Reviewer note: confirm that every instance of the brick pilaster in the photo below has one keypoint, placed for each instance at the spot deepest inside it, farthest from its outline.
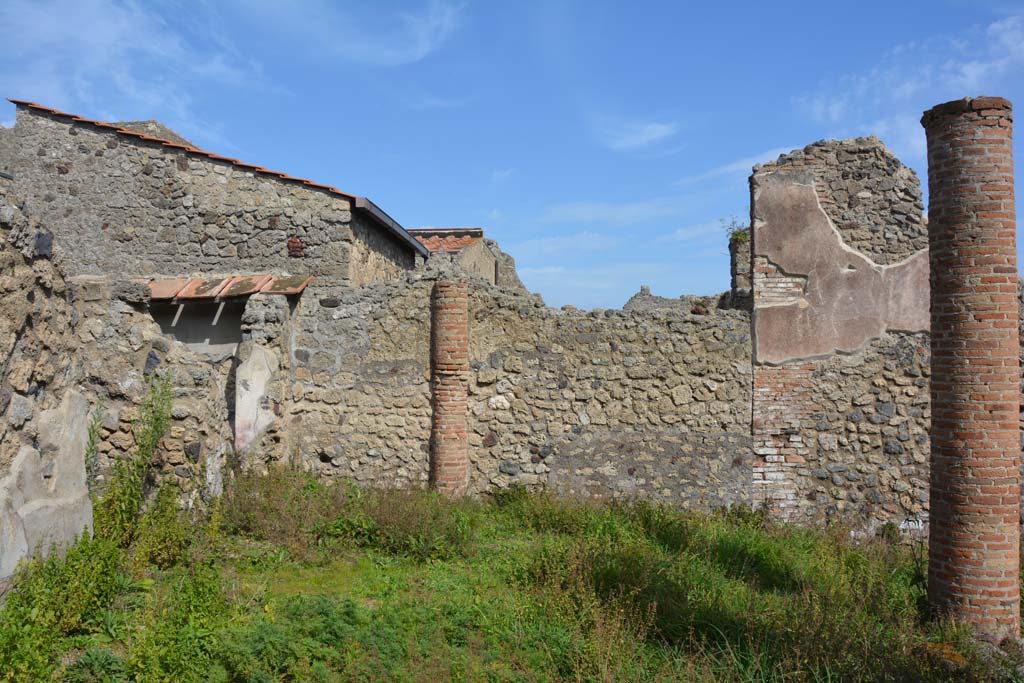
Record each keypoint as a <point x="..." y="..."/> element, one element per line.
<point x="975" y="385"/>
<point x="449" y="361"/>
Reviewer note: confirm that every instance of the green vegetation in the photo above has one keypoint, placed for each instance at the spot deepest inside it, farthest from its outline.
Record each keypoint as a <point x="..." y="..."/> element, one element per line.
<point x="735" y="231"/>
<point x="286" y="579"/>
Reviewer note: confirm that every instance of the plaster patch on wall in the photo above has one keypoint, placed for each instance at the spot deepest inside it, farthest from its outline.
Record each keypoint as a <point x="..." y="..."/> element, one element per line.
<point x="848" y="299"/>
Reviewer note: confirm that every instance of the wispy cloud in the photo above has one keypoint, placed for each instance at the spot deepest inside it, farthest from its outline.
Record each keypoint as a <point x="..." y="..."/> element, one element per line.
<point x="115" y="60"/>
<point x="738" y="167"/>
<point x="500" y="175"/>
<point x="599" y="285"/>
<point x="585" y="241"/>
<point x="699" y="233"/>
<point x="433" y="102"/>
<point x="630" y="135"/>
<point x="360" y="33"/>
<point x="888" y="97"/>
<point x="613" y="213"/>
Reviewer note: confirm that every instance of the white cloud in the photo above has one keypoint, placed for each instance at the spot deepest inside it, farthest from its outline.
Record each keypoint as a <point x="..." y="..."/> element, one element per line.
<point x="702" y="232"/>
<point x="738" y="167"/>
<point x="604" y="285"/>
<point x="354" y="32"/>
<point x="432" y="102"/>
<point x="559" y="244"/>
<point x="1002" y="51"/>
<point x="914" y="76"/>
<point x="628" y="136"/>
<point x="613" y="213"/>
<point x="114" y="60"/>
<point x="500" y="175"/>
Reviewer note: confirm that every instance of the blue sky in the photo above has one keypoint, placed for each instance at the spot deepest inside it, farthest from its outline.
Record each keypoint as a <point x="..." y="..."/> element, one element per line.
<point x="600" y="142"/>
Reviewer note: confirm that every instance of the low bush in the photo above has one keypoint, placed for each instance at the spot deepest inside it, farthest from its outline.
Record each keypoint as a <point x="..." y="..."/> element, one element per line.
<point x="163" y="534"/>
<point x="67" y="593"/>
<point x="284" y="506"/>
<point x="414" y="523"/>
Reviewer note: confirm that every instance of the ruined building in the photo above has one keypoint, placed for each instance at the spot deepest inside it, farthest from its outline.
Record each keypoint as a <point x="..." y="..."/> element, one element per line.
<point x="296" y="323"/>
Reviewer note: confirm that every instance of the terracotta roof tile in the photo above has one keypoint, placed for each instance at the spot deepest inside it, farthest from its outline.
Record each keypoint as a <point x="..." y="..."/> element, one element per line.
<point x="166" y="289"/>
<point x="243" y="285"/>
<point x="203" y="288"/>
<point x="447" y="239"/>
<point x="221" y="287"/>
<point x="290" y="284"/>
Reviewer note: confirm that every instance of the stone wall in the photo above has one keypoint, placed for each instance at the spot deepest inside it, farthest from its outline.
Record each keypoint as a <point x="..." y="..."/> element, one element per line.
<point x="375" y="255"/>
<point x="120" y="204"/>
<point x="872" y="199"/>
<point x="840" y="320"/>
<point x="75" y="350"/>
<point x="616" y="403"/>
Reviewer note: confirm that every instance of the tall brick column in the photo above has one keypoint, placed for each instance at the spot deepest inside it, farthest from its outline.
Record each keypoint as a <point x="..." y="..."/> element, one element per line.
<point x="449" y="385"/>
<point x="975" y="386"/>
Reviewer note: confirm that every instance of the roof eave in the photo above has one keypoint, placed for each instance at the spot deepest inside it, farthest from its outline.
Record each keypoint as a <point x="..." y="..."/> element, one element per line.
<point x="366" y="206"/>
<point x="361" y="203"/>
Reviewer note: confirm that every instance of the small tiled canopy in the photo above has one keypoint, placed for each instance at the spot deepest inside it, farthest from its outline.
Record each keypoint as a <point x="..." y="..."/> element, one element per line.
<point x="226" y="287"/>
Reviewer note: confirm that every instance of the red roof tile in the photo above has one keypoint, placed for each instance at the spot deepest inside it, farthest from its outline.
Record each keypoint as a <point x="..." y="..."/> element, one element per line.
<point x="203" y="288"/>
<point x="290" y="284"/>
<point x="220" y="287"/>
<point x="244" y="285"/>
<point x="166" y="289"/>
<point x="447" y="239"/>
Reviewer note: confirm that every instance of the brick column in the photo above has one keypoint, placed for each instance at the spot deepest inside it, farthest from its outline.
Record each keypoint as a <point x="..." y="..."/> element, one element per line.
<point x="449" y="384"/>
<point x="975" y="385"/>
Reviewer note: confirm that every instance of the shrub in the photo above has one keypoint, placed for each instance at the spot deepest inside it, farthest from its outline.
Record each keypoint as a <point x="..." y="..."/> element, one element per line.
<point x="414" y="523"/>
<point x="178" y="630"/>
<point x="545" y="511"/>
<point x="96" y="665"/>
<point x="117" y="512"/>
<point x="60" y="595"/>
<point x="52" y="598"/>
<point x="305" y="633"/>
<point x="163" y="536"/>
<point x="285" y="506"/>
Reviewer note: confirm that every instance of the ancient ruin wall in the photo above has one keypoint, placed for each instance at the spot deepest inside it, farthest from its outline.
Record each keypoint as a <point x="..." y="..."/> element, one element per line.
<point x="120" y="205"/>
<point x="75" y="350"/>
<point x="616" y="403"/>
<point x="841" y="409"/>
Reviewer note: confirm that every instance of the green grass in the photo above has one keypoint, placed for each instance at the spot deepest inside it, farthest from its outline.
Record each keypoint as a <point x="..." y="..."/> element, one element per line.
<point x="350" y="585"/>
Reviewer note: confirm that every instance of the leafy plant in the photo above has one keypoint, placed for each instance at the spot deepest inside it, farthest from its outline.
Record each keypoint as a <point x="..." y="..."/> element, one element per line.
<point x="116" y="514"/>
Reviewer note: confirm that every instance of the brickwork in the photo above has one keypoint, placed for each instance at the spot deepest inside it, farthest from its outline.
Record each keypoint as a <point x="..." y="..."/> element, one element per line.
<point x="840" y="381"/>
<point x="449" y="363"/>
<point x="975" y="390"/>
<point x="775" y="287"/>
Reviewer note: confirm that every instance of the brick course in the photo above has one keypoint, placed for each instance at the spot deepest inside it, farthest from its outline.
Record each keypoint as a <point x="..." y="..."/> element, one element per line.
<point x="449" y="361"/>
<point x="975" y="389"/>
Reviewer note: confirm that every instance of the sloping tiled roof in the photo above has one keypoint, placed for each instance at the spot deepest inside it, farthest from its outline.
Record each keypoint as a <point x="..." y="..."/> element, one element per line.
<point x="360" y="203"/>
<point x="225" y="287"/>
<point x="447" y="239"/>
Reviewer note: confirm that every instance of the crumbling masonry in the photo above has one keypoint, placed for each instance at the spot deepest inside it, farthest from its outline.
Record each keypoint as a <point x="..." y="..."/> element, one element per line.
<point x="300" y="324"/>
